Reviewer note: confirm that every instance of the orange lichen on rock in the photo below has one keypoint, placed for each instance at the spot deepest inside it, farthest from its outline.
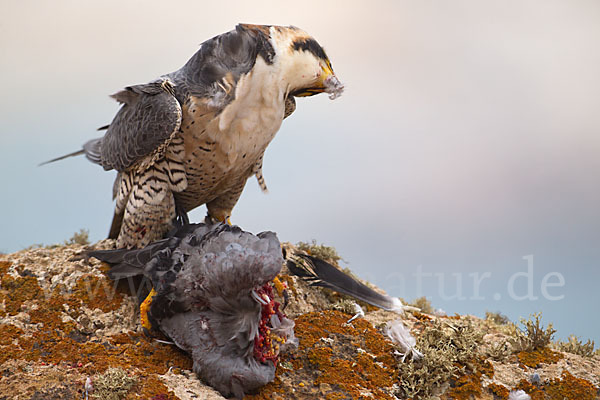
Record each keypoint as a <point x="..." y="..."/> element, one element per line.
<point x="4" y="265"/>
<point x="56" y="338"/>
<point x="150" y="388"/>
<point x="421" y="317"/>
<point x="565" y="387"/>
<point x="534" y="358"/>
<point x="8" y="333"/>
<point x="570" y="387"/>
<point x="149" y="355"/>
<point x="499" y="391"/>
<point x="470" y="384"/>
<point x="534" y="391"/>
<point x="97" y="292"/>
<point x="368" y="367"/>
<point x="289" y="281"/>
<point x="336" y="360"/>
<point x="485" y="367"/>
<point x="125" y="351"/>
<point x="16" y="291"/>
<point x="465" y="387"/>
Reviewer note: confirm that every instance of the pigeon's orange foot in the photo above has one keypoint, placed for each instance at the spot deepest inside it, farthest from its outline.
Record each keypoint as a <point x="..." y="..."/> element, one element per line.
<point x="144" y="308"/>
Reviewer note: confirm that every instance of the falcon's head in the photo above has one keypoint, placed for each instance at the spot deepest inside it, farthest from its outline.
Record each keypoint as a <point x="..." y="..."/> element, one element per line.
<point x="308" y="68"/>
<point x="305" y="67"/>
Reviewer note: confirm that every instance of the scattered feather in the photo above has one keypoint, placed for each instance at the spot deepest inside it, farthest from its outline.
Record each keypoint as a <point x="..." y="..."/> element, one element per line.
<point x="518" y="395"/>
<point x="398" y="333"/>
<point x="359" y="313"/>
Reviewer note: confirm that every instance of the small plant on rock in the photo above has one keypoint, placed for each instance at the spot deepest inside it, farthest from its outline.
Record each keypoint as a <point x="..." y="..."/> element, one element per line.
<point x="575" y="346"/>
<point x="533" y="336"/>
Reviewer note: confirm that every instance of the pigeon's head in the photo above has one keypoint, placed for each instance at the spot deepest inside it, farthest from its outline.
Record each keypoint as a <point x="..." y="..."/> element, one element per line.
<point x="305" y="65"/>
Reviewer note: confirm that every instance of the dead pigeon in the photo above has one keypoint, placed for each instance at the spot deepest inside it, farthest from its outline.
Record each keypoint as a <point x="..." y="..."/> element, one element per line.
<point x="212" y="295"/>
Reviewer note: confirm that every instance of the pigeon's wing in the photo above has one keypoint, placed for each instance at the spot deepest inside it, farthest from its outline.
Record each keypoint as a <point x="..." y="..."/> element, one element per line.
<point x="146" y="123"/>
<point x="320" y="273"/>
<point x="146" y="261"/>
<point x="132" y="262"/>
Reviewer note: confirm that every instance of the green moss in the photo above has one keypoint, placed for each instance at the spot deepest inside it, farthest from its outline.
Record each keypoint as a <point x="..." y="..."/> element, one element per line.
<point x="114" y="384"/>
<point x="533" y="336"/>
<point x="326" y="253"/>
<point x="499" y="351"/>
<point x="423" y="304"/>
<point x="450" y="356"/>
<point x="346" y="306"/>
<point x="497" y="318"/>
<point x="81" y="238"/>
<point x="575" y="346"/>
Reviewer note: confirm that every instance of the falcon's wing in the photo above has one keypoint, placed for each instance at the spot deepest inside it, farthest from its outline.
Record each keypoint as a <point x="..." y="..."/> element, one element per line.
<point x="148" y="120"/>
<point x="213" y="72"/>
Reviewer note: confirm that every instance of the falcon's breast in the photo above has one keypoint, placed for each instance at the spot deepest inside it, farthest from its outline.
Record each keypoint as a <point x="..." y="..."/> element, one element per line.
<point x="223" y="147"/>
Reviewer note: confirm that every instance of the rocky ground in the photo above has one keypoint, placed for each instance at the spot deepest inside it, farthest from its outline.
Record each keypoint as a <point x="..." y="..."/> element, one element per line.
<point x="62" y="322"/>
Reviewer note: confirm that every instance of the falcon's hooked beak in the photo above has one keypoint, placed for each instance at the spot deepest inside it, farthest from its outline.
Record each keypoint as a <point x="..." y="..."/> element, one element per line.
<point x="326" y="83"/>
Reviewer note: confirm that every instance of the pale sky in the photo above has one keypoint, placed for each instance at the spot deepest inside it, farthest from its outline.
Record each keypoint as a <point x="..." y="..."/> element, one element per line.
<point x="467" y="139"/>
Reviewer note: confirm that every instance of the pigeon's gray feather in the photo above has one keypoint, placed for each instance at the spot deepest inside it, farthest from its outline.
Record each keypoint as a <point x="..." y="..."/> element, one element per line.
<point x="318" y="272"/>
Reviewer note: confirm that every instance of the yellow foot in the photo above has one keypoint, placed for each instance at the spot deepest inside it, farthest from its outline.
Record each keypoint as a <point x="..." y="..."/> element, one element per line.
<point x="279" y="286"/>
<point x="144" y="308"/>
<point x="213" y="219"/>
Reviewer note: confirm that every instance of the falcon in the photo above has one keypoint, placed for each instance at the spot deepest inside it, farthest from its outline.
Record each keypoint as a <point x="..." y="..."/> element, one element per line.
<point x="196" y="135"/>
<point x="213" y="296"/>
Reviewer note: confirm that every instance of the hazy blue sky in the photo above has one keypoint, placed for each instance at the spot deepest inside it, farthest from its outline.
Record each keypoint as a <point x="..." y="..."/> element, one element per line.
<point x="467" y="139"/>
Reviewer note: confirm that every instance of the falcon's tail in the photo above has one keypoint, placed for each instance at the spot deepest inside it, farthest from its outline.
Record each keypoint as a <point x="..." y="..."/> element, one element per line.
<point x="115" y="226"/>
<point x="320" y="273"/>
<point x="91" y="149"/>
<point x="73" y="154"/>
